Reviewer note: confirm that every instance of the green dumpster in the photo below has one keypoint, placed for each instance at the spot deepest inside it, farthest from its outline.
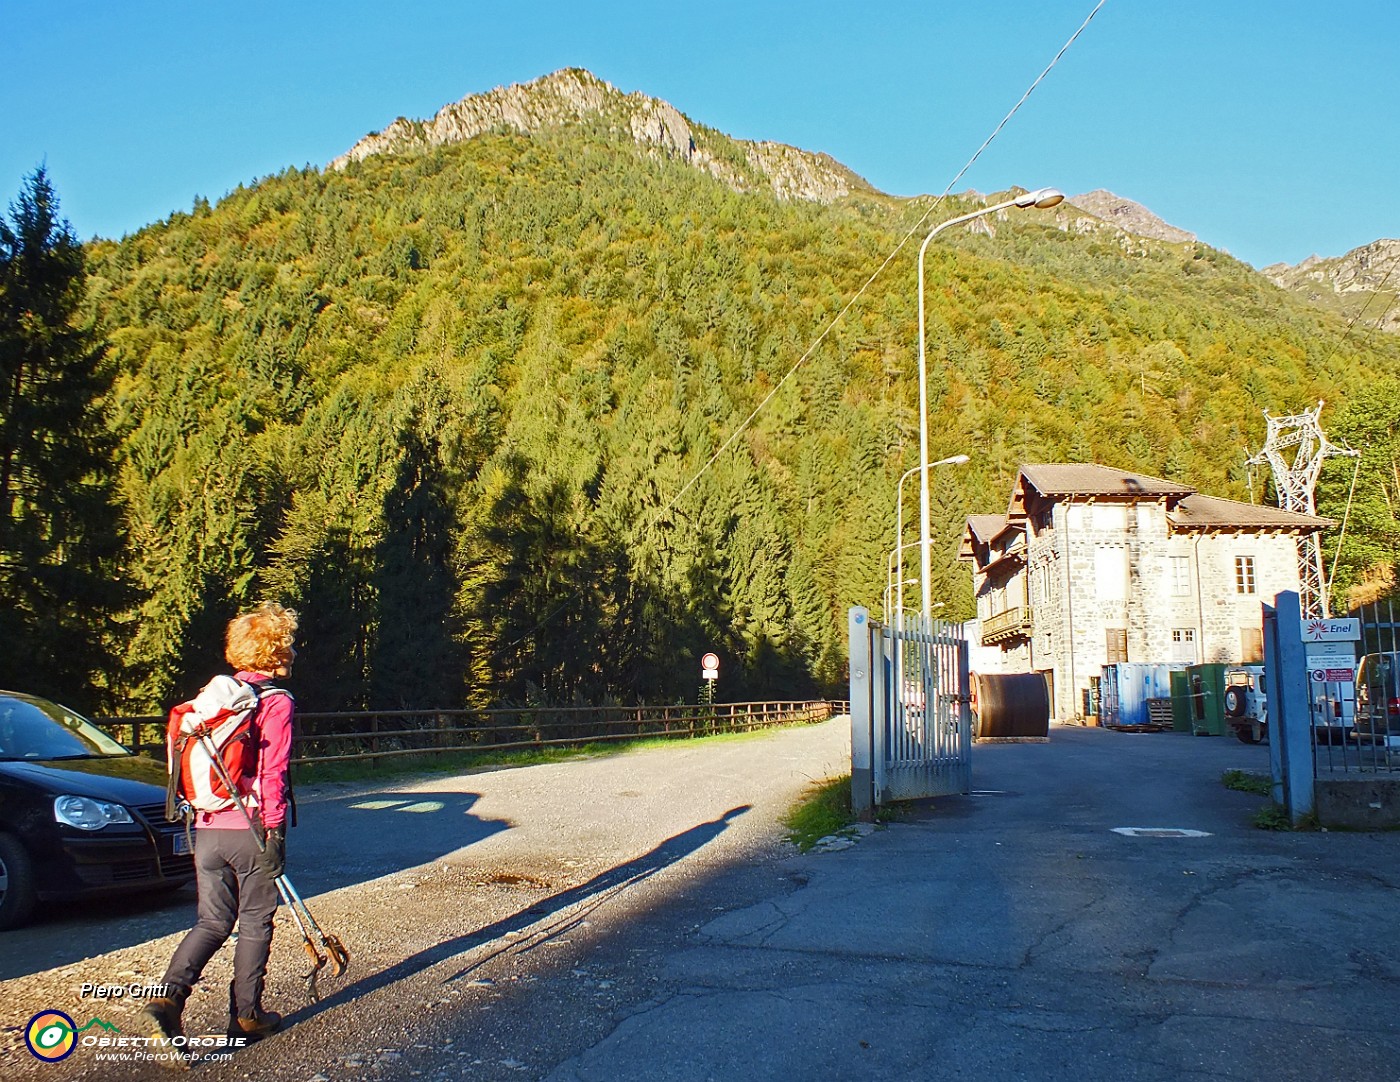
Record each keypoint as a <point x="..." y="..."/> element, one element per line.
<point x="1206" y="690"/>
<point x="1181" y="702"/>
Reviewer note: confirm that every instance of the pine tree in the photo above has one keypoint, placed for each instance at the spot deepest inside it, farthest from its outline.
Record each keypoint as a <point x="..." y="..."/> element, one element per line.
<point x="59" y="534"/>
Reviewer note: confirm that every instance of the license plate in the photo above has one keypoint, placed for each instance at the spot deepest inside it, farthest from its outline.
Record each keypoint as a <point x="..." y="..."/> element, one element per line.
<point x="182" y="845"/>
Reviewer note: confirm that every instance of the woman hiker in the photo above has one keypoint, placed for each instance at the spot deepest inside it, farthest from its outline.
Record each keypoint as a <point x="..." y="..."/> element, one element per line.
<point x="234" y="875"/>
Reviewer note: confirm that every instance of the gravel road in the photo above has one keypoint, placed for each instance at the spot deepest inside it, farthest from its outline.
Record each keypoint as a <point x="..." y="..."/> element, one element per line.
<point x="498" y="921"/>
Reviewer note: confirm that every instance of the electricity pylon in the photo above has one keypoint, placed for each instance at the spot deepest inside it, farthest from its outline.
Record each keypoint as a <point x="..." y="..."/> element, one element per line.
<point x="1294" y="483"/>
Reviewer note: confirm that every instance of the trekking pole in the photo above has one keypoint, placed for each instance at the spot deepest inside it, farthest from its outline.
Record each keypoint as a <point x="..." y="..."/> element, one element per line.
<point x="318" y="960"/>
<point x="340" y="958"/>
<point x="288" y="892"/>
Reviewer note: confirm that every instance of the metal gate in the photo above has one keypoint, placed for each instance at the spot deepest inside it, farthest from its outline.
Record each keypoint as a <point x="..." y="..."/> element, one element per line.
<point x="911" y="721"/>
<point x="1356" y="697"/>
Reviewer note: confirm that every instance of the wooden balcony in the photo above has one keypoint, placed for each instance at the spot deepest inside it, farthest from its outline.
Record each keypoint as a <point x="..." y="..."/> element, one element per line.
<point x="1011" y="624"/>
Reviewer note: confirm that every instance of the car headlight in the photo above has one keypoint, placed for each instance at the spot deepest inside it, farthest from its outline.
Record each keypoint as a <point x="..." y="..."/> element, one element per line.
<point x="88" y="814"/>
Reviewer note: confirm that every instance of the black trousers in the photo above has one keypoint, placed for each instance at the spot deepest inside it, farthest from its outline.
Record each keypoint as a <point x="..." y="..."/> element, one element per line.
<point x="233" y="888"/>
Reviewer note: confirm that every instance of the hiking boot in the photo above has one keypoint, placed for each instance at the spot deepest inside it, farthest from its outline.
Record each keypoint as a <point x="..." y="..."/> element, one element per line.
<point x="261" y="1024"/>
<point x="162" y="1017"/>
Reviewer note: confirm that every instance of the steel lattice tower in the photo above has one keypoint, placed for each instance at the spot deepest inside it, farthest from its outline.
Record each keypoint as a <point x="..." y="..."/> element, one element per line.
<point x="1294" y="483"/>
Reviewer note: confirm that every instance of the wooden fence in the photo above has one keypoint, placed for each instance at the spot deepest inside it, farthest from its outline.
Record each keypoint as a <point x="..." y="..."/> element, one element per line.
<point x="377" y="735"/>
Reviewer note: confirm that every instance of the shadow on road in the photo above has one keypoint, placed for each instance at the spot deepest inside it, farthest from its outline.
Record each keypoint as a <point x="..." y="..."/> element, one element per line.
<point x="357" y="838"/>
<point x="570" y="906"/>
<point x="337" y="842"/>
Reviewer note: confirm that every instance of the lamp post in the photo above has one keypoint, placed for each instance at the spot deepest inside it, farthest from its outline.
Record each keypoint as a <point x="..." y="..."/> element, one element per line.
<point x="889" y="601"/>
<point x="1041" y="199"/>
<point x="899" y="546"/>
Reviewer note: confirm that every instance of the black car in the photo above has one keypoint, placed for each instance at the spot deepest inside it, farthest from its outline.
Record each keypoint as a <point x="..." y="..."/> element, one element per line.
<point x="79" y="813"/>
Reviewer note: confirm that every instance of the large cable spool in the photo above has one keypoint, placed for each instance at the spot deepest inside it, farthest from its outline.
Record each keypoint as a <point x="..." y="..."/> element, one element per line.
<point x="1011" y="706"/>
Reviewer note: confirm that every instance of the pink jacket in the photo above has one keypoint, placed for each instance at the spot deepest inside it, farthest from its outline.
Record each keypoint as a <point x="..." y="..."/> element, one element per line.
<point x="269" y="795"/>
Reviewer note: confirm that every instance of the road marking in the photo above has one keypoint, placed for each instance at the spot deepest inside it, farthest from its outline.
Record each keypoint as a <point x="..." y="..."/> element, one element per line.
<point x="1160" y="832"/>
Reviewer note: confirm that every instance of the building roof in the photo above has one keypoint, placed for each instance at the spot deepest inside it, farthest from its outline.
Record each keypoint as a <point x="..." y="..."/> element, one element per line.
<point x="1198" y="512"/>
<point x="1187" y="509"/>
<point x="981" y="530"/>
<point x="986" y="527"/>
<point x="1089" y="479"/>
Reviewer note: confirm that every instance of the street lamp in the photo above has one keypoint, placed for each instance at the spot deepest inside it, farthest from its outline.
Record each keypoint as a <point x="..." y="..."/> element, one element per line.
<point x="899" y="546"/>
<point x="890" y="611"/>
<point x="1041" y="199"/>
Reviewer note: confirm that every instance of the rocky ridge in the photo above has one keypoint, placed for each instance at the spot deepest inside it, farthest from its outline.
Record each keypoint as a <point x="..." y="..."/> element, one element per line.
<point x="1363" y="284"/>
<point x="1130" y="217"/>
<point x="573" y="96"/>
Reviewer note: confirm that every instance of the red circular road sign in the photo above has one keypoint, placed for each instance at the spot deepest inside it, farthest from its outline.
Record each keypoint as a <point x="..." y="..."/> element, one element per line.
<point x="710" y="661"/>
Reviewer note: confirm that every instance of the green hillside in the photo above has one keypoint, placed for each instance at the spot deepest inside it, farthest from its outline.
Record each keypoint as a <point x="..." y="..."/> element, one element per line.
<point x="443" y="402"/>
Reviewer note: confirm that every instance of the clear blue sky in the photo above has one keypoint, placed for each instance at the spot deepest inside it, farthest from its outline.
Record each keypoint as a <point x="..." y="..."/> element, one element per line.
<point x="1266" y="127"/>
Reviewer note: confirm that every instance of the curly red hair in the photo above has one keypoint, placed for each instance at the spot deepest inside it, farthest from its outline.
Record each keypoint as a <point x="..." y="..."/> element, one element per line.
<point x="261" y="640"/>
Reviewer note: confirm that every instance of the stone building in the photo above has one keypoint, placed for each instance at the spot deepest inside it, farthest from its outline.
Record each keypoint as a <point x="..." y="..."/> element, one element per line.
<point x="1091" y="565"/>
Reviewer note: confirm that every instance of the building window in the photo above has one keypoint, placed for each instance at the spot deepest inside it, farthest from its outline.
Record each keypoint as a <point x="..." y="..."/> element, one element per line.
<point x="1111" y="574"/>
<point x="1181" y="576"/>
<point x="1244" y="574"/>
<point x="1116" y="643"/>
<point x="1184" y="644"/>
<point x="1251" y="645"/>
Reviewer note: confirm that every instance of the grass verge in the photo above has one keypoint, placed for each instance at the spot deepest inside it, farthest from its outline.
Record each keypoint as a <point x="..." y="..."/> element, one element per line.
<point x="825" y="809"/>
<point x="1270" y="816"/>
<point x="1246" y="782"/>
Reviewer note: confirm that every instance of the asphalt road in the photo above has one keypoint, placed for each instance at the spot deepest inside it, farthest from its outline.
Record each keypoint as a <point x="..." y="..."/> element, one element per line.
<point x="638" y="917"/>
<point x="448" y="892"/>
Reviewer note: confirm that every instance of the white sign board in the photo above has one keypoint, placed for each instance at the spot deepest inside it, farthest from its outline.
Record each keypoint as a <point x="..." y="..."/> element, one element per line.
<point x="1330" y="653"/>
<point x="1331" y="630"/>
<point x="709" y="667"/>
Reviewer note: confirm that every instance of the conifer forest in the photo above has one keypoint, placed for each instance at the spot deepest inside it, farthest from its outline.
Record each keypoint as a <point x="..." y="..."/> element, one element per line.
<point x="461" y="408"/>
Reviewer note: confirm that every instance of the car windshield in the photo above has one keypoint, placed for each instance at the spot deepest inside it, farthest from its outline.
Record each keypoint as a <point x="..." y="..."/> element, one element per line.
<point x="38" y="729"/>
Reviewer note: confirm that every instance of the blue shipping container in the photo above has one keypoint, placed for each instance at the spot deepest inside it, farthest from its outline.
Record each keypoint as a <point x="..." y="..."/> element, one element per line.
<point x="1125" y="688"/>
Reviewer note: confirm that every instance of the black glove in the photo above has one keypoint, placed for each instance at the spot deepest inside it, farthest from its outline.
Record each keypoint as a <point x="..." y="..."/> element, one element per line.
<point x="273" y="858"/>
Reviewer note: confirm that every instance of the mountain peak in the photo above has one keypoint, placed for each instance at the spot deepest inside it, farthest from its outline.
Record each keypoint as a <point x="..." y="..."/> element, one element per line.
<point x="574" y="96"/>
<point x="1129" y="216"/>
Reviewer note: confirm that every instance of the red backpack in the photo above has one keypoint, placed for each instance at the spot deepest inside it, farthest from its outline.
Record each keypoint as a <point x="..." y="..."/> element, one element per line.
<point x="219" y="721"/>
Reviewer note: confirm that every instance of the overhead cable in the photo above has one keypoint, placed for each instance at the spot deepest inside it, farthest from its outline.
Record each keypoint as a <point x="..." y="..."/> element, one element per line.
<point x="913" y="230"/>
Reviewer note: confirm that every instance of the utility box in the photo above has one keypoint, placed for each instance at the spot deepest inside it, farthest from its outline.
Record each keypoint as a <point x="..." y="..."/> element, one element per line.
<point x="1207" y="691"/>
<point x="1126" y="687"/>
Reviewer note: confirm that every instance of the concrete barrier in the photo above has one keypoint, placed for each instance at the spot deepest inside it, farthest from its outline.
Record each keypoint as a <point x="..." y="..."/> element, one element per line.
<point x="1358" y="803"/>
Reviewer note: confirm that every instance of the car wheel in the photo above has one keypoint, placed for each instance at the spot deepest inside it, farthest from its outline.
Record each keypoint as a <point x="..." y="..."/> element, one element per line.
<point x="1234" y="702"/>
<point x="16" y="883"/>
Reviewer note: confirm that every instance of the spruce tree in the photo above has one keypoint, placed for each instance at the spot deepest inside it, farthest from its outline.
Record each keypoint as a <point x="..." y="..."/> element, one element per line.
<point x="59" y="535"/>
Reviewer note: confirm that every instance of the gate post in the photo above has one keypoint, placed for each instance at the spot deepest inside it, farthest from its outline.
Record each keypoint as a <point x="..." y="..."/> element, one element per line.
<point x="1290" y="716"/>
<point x="964" y="689"/>
<point x="861" y="663"/>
